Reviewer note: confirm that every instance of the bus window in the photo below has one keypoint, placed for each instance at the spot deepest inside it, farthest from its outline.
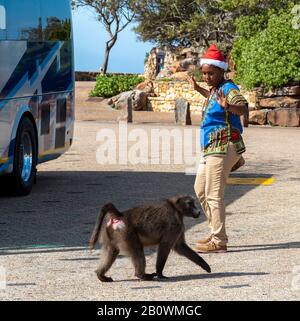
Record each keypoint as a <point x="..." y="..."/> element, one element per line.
<point x="2" y="20"/>
<point x="59" y="76"/>
<point x="56" y="23"/>
<point x="22" y="26"/>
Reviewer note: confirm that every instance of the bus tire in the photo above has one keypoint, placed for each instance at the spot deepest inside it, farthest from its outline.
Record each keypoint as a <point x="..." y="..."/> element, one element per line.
<point x="25" y="159"/>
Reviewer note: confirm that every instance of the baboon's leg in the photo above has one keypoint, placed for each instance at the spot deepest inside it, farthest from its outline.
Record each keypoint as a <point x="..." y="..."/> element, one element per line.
<point x="183" y="249"/>
<point x="136" y="252"/>
<point x="109" y="256"/>
<point x="162" y="255"/>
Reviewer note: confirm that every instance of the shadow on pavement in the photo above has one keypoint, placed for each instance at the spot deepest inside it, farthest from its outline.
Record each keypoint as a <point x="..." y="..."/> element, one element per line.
<point x="190" y="277"/>
<point x="264" y="247"/>
<point x="62" y="209"/>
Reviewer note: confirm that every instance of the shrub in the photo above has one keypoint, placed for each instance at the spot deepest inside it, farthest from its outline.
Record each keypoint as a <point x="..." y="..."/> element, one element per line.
<point x="271" y="57"/>
<point x="111" y="85"/>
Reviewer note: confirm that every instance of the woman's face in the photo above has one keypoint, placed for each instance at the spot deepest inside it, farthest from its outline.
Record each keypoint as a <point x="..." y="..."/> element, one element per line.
<point x="212" y="75"/>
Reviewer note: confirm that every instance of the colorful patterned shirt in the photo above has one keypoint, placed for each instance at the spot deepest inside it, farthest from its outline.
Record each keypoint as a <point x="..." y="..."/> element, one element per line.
<point x="219" y="126"/>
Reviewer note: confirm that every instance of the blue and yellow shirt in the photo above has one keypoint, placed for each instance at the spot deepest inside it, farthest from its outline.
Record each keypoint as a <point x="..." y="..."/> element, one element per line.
<point x="219" y="126"/>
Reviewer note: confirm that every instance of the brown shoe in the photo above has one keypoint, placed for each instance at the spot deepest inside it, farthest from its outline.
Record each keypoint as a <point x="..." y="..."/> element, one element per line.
<point x="206" y="240"/>
<point x="211" y="247"/>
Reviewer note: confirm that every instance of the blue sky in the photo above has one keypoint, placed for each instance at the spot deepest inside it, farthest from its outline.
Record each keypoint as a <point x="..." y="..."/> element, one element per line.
<point x="127" y="55"/>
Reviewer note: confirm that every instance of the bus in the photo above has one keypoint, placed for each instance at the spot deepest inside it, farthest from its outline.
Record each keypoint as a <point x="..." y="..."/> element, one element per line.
<point x="36" y="87"/>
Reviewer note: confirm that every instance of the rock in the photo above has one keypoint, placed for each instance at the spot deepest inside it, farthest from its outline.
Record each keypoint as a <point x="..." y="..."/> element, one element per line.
<point x="147" y="87"/>
<point x="139" y="100"/>
<point x="182" y="112"/>
<point x="258" y="117"/>
<point x="182" y="76"/>
<point x="280" y="102"/>
<point x="110" y="101"/>
<point x="286" y="117"/>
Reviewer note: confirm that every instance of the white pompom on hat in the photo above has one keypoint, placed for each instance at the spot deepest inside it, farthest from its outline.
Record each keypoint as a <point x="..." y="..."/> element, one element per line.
<point x="214" y="56"/>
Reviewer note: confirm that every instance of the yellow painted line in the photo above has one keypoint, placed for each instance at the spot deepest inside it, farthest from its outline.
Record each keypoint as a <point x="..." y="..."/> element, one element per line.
<point x="4" y="160"/>
<point x="250" y="181"/>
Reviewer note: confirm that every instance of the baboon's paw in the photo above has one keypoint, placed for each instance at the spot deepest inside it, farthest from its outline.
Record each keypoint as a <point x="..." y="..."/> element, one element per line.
<point x="104" y="278"/>
<point x="146" y="277"/>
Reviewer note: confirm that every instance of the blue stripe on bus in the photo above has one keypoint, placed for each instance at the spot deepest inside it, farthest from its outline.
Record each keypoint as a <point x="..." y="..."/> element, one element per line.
<point x="35" y="75"/>
<point x="50" y="55"/>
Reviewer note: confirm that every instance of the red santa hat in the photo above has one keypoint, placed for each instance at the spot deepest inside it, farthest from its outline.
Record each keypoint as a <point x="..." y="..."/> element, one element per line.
<point x="214" y="56"/>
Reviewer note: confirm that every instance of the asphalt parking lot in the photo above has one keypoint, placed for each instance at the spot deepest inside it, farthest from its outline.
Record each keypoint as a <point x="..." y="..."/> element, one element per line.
<point x="43" y="237"/>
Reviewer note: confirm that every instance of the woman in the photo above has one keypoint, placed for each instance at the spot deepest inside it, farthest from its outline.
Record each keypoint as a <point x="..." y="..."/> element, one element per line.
<point x="221" y="143"/>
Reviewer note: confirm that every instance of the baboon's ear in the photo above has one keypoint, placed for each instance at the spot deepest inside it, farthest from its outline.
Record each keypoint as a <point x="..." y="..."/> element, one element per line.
<point x="175" y="202"/>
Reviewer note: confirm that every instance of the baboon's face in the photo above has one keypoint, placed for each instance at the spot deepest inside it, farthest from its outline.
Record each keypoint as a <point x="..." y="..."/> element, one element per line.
<point x="188" y="206"/>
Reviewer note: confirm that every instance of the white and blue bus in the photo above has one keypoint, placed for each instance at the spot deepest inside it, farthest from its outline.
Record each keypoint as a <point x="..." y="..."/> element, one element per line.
<point x="36" y="86"/>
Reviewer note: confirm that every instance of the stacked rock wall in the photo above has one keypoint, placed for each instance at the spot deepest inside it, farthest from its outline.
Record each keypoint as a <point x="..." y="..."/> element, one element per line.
<point x="168" y="91"/>
<point x="277" y="108"/>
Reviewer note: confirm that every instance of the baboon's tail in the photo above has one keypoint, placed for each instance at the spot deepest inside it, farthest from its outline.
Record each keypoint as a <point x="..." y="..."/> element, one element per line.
<point x="105" y="209"/>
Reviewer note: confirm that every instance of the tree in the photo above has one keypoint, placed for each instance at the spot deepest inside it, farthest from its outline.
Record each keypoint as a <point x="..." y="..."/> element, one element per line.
<point x="268" y="57"/>
<point x="198" y="22"/>
<point x="182" y="22"/>
<point x="115" y="15"/>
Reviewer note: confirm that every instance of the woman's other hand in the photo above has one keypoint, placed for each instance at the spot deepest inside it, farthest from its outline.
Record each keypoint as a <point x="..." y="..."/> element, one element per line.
<point x="222" y="101"/>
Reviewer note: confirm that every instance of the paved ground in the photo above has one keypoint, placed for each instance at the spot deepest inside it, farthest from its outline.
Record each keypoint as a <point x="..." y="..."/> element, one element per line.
<point x="43" y="237"/>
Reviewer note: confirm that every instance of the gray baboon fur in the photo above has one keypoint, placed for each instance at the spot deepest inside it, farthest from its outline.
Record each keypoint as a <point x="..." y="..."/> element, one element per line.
<point x="147" y="225"/>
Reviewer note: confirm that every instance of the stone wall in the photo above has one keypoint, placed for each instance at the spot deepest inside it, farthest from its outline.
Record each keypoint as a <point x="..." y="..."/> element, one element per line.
<point x="277" y="108"/>
<point x="168" y="91"/>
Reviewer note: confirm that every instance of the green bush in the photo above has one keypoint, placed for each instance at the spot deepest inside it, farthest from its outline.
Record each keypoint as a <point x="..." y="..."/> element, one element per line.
<point x="270" y="58"/>
<point x="111" y="85"/>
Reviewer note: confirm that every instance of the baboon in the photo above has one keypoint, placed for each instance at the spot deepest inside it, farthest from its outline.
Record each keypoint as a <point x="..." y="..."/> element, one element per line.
<point x="147" y="225"/>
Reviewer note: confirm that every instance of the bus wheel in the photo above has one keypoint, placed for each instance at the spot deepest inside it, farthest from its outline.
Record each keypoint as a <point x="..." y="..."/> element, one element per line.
<point x="25" y="158"/>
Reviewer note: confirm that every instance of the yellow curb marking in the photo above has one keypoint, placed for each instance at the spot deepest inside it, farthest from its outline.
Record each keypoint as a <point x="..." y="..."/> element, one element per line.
<point x="250" y="181"/>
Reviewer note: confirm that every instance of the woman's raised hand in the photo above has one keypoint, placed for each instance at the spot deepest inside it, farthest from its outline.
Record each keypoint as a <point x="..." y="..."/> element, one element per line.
<point x="221" y="99"/>
<point x="192" y="81"/>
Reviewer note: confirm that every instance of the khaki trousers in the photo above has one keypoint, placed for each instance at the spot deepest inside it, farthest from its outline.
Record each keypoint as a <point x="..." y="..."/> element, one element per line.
<point x="210" y="186"/>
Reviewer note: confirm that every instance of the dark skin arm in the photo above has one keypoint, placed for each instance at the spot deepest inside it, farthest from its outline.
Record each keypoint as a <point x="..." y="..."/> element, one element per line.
<point x="235" y="109"/>
<point x="204" y="92"/>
